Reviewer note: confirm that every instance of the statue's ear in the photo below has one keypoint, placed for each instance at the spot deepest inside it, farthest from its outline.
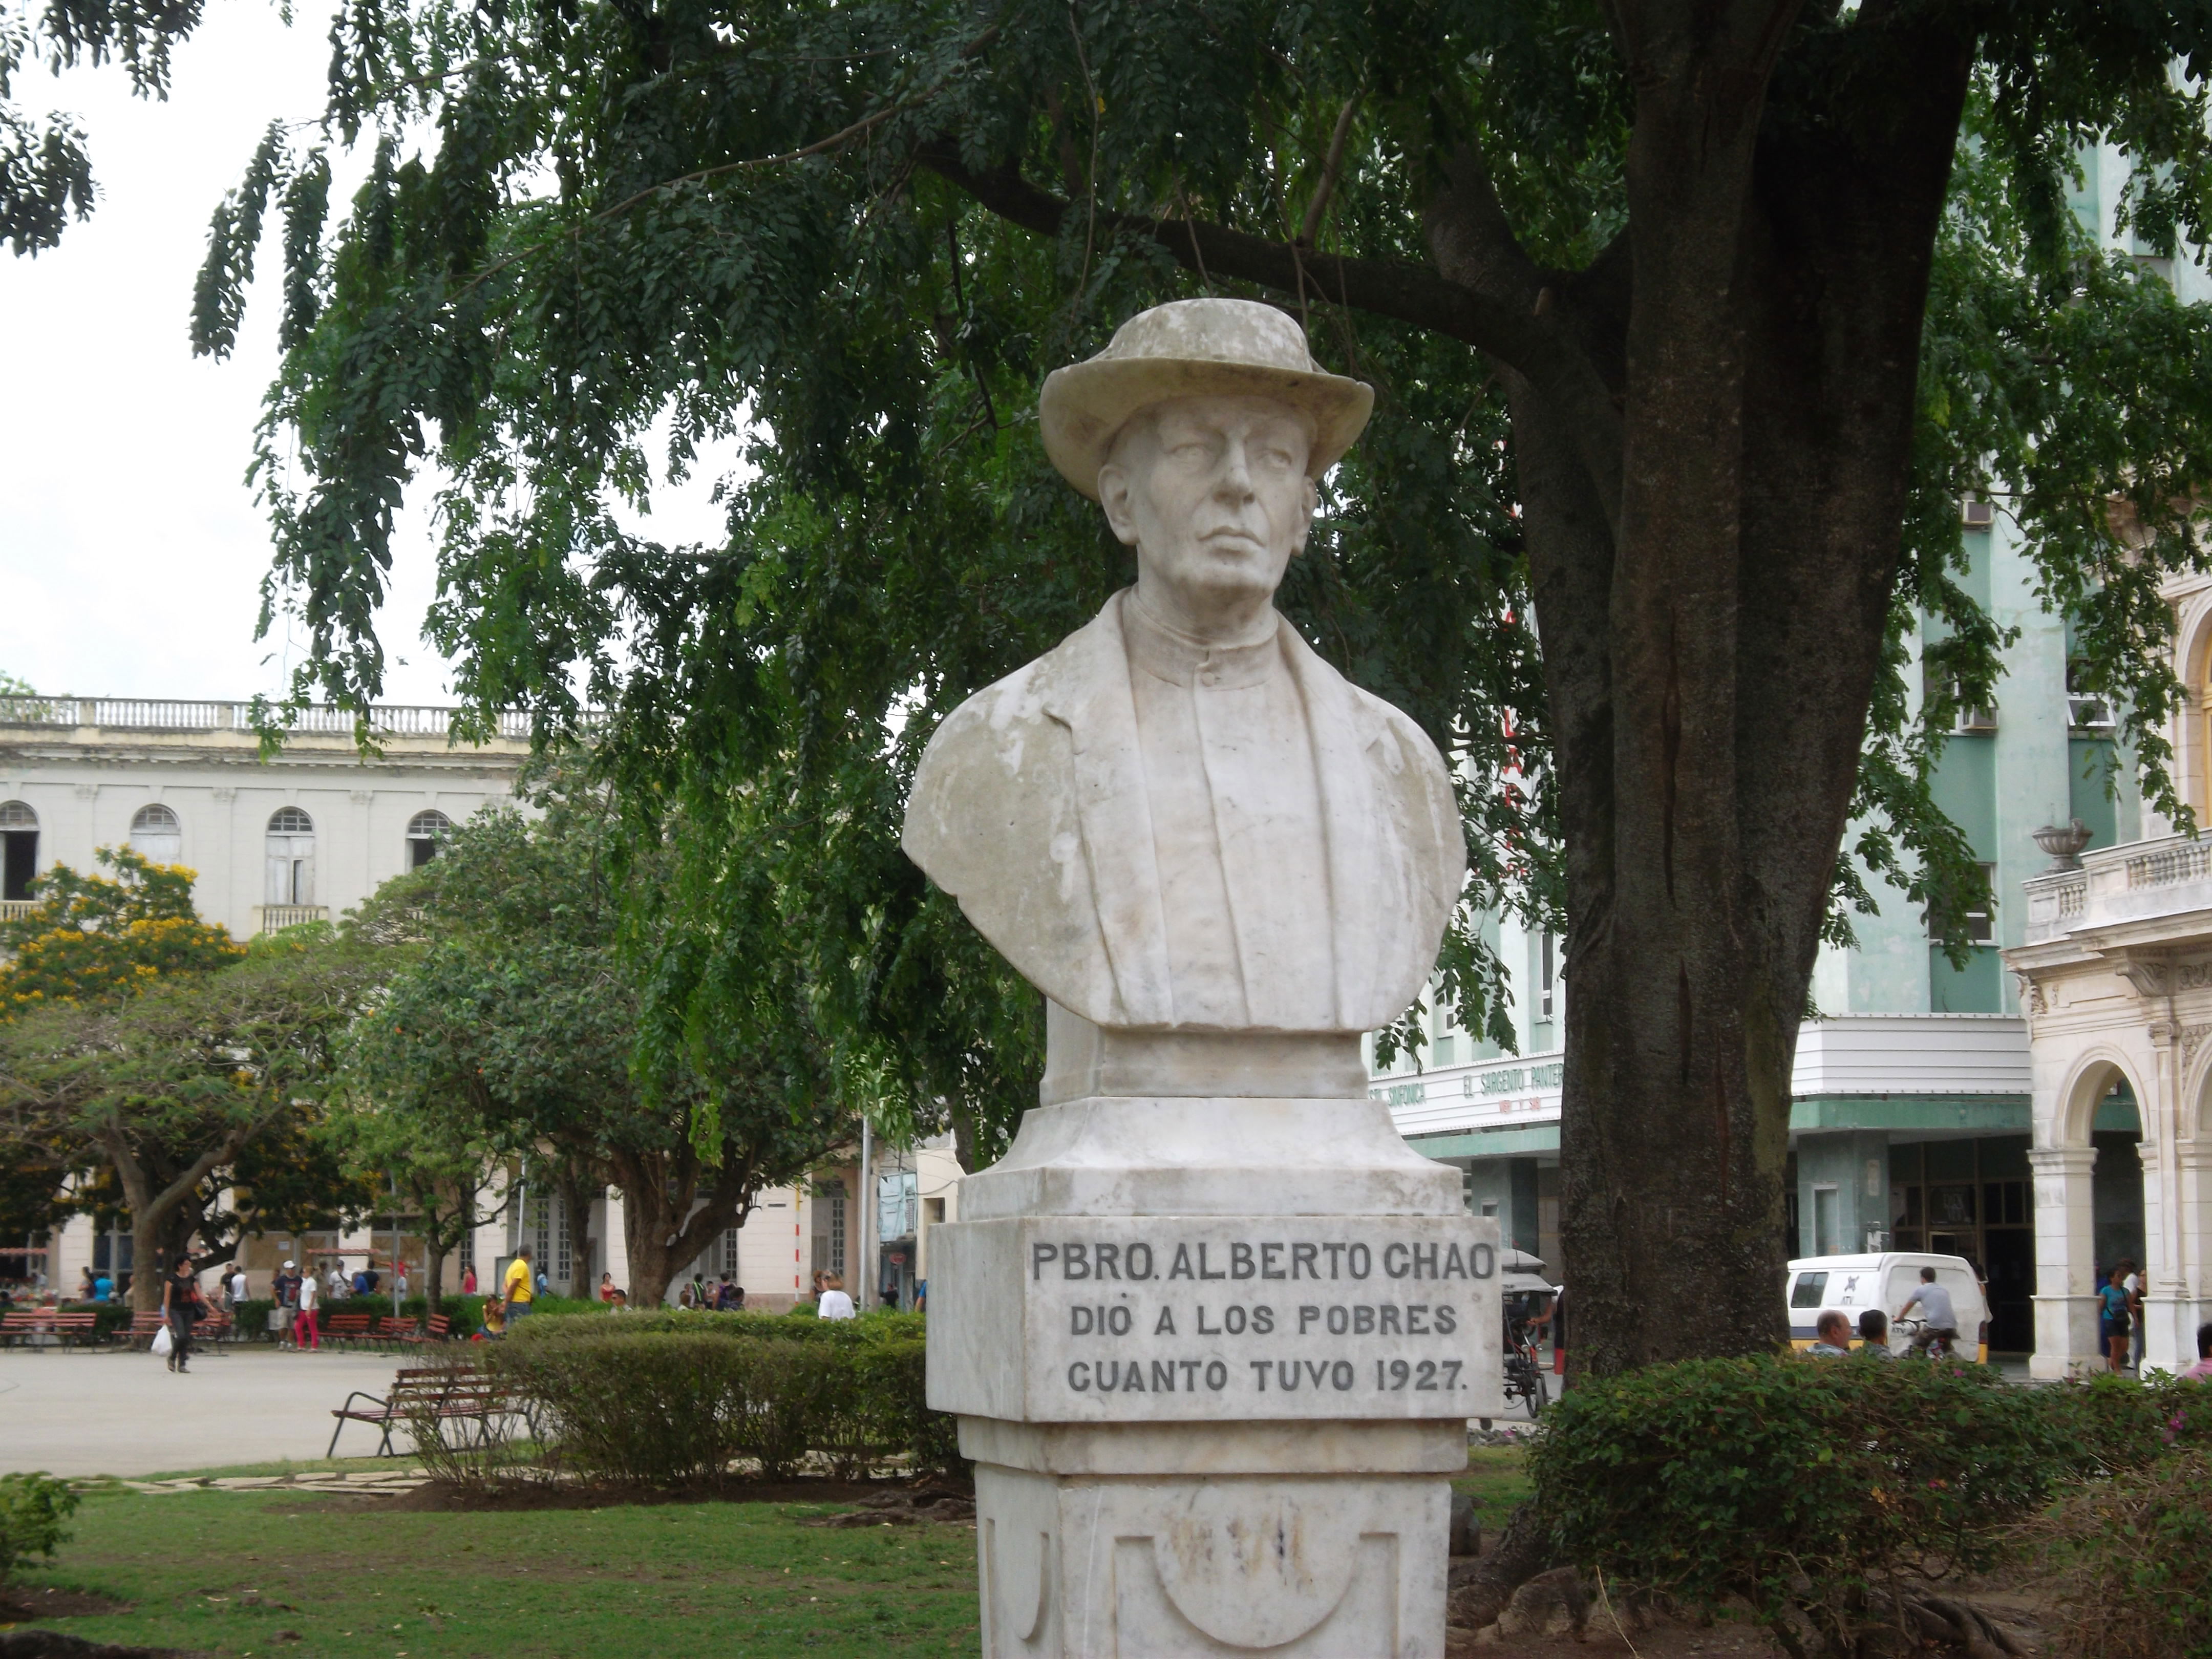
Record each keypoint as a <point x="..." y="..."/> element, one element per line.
<point x="1113" y="496"/>
<point x="1305" y="521"/>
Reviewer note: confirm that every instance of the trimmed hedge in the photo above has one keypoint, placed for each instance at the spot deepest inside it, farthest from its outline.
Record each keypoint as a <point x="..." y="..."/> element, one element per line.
<point x="672" y="1398"/>
<point x="1797" y="1485"/>
<point x="1814" y="1489"/>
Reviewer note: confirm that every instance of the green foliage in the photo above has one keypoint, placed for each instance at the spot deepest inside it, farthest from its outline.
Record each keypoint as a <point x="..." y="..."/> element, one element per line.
<point x="33" y="1510"/>
<point x="676" y="1399"/>
<point x="1798" y="1486"/>
<point x="528" y="1019"/>
<point x="2132" y="1558"/>
<point x="853" y="238"/>
<point x="45" y="172"/>
<point x="93" y="938"/>
<point x="203" y="1084"/>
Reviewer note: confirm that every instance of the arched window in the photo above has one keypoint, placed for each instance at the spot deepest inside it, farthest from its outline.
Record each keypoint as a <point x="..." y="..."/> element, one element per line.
<point x="156" y="836"/>
<point x="423" y="830"/>
<point x="291" y="857"/>
<point x="19" y="849"/>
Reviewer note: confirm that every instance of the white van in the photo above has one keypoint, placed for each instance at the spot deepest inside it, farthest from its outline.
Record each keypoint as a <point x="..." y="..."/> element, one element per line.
<point x="1850" y="1284"/>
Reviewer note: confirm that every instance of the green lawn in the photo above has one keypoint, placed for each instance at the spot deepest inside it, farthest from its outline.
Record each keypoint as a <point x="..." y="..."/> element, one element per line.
<point x="1497" y="1476"/>
<point x="229" y="1572"/>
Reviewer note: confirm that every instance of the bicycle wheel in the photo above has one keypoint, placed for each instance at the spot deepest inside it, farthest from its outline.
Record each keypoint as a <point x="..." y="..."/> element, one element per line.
<point x="1540" y="1394"/>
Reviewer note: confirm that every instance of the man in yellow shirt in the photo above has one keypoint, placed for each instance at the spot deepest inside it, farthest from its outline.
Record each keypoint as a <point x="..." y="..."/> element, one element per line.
<point x="519" y="1286"/>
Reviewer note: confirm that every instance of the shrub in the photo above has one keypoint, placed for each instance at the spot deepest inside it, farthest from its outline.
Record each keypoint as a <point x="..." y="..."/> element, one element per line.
<point x="2132" y="1558"/>
<point x="670" y="1398"/>
<point x="32" y="1508"/>
<point x="2113" y="1423"/>
<point x="1801" y="1486"/>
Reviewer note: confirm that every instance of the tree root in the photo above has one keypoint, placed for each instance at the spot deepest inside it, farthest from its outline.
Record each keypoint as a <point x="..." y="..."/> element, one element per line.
<point x="1521" y="1554"/>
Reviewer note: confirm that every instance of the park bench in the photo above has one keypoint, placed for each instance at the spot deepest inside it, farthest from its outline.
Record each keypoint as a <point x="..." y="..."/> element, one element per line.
<point x="29" y="1325"/>
<point x="439" y="1328"/>
<point x="207" y="1330"/>
<point x="439" y="1394"/>
<point x="341" y="1329"/>
<point x="397" y="1331"/>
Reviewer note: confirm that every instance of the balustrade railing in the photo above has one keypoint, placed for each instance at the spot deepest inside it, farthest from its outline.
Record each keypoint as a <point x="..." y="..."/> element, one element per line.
<point x="186" y="714"/>
<point x="2188" y="861"/>
<point x="16" y="909"/>
<point x="273" y="918"/>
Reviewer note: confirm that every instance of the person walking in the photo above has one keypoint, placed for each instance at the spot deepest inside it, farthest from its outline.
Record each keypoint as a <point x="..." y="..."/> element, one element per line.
<point x="238" y="1292"/>
<point x="834" y="1304"/>
<point x="85" y="1285"/>
<point x="182" y="1305"/>
<point x="307" y="1335"/>
<point x="2112" y="1319"/>
<point x="519" y="1289"/>
<point x="469" y="1279"/>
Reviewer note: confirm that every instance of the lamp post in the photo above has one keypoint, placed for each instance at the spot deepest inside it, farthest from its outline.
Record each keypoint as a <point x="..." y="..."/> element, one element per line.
<point x="865" y="1272"/>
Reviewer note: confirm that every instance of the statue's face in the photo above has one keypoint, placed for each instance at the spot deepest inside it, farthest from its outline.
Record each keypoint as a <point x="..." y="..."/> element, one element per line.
<point x="1214" y="494"/>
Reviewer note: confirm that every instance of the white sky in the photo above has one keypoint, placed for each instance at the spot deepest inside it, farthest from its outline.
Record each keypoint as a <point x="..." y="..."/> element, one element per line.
<point x="130" y="547"/>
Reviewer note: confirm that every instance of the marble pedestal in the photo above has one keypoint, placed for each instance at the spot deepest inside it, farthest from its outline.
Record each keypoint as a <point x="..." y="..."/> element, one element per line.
<point x="1214" y="1359"/>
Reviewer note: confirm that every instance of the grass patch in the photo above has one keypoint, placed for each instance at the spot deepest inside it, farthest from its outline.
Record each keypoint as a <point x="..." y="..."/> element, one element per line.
<point x="1497" y="1476"/>
<point x="228" y="1573"/>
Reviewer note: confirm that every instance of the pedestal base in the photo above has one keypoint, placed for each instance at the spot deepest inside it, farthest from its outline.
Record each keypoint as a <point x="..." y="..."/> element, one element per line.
<point x="1321" y="1541"/>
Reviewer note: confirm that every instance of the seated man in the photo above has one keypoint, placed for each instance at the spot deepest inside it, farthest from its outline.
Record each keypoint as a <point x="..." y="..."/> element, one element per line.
<point x="1874" y="1334"/>
<point x="2202" y="1370"/>
<point x="1835" y="1334"/>
<point x="1938" y="1318"/>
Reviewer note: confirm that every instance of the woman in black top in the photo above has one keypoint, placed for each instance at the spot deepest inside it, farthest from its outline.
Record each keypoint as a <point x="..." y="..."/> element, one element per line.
<point x="180" y="1302"/>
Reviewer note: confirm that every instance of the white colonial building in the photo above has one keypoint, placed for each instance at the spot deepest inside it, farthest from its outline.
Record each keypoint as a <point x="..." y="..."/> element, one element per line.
<point x="301" y="835"/>
<point x="2116" y="977"/>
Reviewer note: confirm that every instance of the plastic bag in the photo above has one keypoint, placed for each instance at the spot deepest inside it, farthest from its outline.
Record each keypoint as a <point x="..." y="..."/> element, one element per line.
<point x="163" y="1342"/>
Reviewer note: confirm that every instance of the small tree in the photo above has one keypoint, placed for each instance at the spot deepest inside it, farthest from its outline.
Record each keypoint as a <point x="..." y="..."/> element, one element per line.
<point x="93" y="938"/>
<point x="202" y="1082"/>
<point x="522" y="1012"/>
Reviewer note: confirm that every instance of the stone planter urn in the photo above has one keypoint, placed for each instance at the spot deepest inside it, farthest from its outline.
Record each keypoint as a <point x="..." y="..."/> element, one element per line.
<point x="2064" y="842"/>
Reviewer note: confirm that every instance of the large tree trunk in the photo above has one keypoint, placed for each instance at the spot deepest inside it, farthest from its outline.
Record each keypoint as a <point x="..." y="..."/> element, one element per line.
<point x="577" y="1185"/>
<point x="1711" y="676"/>
<point x="667" y="1220"/>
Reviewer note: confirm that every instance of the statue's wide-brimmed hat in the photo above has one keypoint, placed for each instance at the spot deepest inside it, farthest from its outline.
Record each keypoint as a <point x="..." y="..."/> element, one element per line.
<point x="1194" y="349"/>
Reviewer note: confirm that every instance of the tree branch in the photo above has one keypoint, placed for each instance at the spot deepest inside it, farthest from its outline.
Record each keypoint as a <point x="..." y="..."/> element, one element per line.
<point x="1473" y="245"/>
<point x="1508" y="326"/>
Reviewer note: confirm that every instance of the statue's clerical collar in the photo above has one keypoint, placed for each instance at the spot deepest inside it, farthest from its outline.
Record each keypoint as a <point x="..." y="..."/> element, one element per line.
<point x="1170" y="654"/>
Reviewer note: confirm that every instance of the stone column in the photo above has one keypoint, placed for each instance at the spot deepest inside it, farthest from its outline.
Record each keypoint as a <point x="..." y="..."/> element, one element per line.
<point x="1214" y="1359"/>
<point x="2193" y="1303"/>
<point x="2066" y="1342"/>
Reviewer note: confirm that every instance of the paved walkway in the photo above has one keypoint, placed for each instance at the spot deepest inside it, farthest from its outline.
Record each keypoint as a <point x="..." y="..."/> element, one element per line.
<point x="124" y="1414"/>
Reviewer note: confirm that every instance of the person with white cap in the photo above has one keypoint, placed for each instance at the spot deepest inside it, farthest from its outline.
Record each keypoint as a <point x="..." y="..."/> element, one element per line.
<point x="284" y="1291"/>
<point x="1181" y="819"/>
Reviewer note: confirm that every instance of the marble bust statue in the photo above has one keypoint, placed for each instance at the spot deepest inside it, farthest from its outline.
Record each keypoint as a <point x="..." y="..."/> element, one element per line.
<point x="1181" y="819"/>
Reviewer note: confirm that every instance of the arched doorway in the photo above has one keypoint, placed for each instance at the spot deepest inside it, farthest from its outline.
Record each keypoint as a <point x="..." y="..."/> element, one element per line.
<point x="2116" y="1182"/>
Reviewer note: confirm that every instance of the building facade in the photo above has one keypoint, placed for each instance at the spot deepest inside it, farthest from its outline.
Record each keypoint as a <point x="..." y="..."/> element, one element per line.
<point x="302" y="835"/>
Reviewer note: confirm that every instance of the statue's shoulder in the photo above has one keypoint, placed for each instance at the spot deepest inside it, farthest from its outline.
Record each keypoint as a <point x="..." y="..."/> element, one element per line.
<point x="1000" y="770"/>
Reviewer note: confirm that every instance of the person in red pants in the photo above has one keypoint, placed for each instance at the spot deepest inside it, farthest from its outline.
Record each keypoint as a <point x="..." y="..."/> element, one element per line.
<point x="304" y="1331"/>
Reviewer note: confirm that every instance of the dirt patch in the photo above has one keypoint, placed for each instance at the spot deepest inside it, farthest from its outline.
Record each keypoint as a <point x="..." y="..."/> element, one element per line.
<point x="444" y="1497"/>
<point x="1664" y="1640"/>
<point x="53" y="1645"/>
<point x="928" y="1502"/>
<point x="17" y="1605"/>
